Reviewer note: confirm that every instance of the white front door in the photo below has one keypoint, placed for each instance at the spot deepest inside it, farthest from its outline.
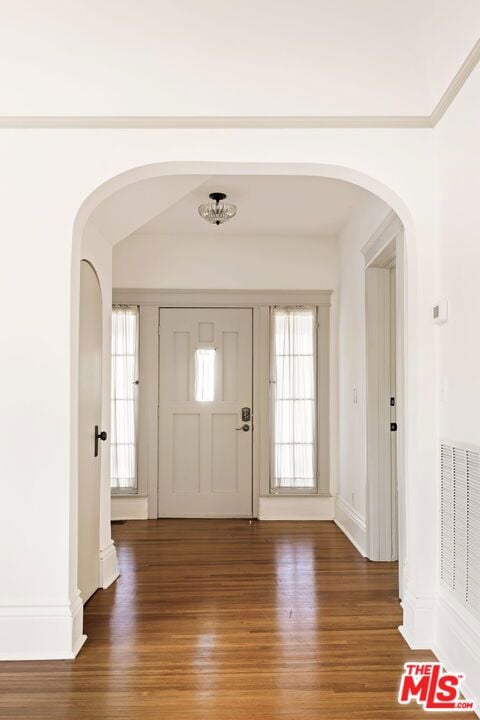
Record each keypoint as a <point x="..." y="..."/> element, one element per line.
<point x="89" y="416"/>
<point x="205" y="428"/>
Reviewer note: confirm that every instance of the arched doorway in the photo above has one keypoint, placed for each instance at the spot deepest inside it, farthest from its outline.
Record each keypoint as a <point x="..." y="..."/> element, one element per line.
<point x="116" y="191"/>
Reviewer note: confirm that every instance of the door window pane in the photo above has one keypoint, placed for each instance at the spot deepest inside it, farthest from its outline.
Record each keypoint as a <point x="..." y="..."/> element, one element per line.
<point x="205" y="374"/>
<point x="294" y="398"/>
<point x="123" y="442"/>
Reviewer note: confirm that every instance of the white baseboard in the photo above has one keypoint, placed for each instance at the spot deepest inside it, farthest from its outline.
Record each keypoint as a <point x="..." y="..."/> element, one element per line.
<point x="418" y="629"/>
<point x="41" y="632"/>
<point x="457" y="645"/>
<point x="290" y="507"/>
<point x="352" y="524"/>
<point x="109" y="569"/>
<point x="129" y="507"/>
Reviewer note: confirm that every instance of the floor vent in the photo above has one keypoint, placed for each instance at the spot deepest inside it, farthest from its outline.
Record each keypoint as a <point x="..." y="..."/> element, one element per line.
<point x="460" y="523"/>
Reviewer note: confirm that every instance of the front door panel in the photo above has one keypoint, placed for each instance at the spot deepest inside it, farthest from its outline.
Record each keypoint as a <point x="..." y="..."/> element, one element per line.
<point x="205" y="461"/>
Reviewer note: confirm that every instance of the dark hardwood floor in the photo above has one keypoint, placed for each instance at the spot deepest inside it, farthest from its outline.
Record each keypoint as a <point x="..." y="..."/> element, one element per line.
<point x="222" y="620"/>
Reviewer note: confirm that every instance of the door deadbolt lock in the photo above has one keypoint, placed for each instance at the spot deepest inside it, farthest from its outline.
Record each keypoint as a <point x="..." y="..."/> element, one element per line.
<point x="246" y="414"/>
<point x="393" y="427"/>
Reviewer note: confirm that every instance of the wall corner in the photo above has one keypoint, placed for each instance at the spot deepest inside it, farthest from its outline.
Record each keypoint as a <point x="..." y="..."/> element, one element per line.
<point x="42" y="632"/>
<point x="109" y="568"/>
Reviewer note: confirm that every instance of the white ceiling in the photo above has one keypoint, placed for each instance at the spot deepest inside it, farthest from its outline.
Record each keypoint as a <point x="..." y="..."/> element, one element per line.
<point x="216" y="58"/>
<point x="267" y="205"/>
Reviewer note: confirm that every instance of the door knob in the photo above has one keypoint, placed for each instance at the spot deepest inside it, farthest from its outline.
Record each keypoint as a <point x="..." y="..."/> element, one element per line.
<point x="99" y="436"/>
<point x="245" y="428"/>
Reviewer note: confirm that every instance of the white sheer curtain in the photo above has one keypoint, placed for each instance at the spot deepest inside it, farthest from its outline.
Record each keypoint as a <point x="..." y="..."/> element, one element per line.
<point x="294" y="398"/>
<point x="124" y="398"/>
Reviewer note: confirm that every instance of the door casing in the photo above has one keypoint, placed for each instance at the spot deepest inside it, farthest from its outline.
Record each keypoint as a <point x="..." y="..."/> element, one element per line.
<point x="385" y="489"/>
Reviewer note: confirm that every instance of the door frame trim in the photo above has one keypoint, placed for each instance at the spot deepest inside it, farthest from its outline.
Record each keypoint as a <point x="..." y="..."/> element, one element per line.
<point x="260" y="301"/>
<point x="219" y="298"/>
<point x="384" y="247"/>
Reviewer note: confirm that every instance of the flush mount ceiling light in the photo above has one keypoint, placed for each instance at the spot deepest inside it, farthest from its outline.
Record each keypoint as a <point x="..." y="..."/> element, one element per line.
<point x="218" y="211"/>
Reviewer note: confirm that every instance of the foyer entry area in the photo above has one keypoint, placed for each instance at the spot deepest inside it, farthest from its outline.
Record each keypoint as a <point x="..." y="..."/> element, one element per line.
<point x="229" y="619"/>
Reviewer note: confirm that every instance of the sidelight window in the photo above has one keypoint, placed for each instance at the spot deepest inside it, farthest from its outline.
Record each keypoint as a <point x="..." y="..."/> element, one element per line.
<point x="294" y="399"/>
<point x="125" y="325"/>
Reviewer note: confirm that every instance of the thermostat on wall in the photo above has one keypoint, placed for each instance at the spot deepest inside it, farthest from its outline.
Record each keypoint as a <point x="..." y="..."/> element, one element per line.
<point x="440" y="312"/>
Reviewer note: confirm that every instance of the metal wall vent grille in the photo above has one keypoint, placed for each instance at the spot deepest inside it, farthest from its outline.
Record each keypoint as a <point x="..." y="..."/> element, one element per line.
<point x="460" y="523"/>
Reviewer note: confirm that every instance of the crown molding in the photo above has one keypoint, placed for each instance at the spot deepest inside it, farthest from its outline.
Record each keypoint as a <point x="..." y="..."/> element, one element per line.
<point x="140" y="122"/>
<point x="260" y="122"/>
<point x="461" y="77"/>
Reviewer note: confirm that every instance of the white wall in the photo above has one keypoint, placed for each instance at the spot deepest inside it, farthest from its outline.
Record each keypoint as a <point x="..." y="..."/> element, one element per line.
<point x="457" y="140"/>
<point x="45" y="178"/>
<point x="458" y="222"/>
<point x="225" y="262"/>
<point x="352" y="367"/>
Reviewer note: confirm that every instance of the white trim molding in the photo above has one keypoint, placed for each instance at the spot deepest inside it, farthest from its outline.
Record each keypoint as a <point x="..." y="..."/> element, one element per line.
<point x="380" y="249"/>
<point x="129" y="507"/>
<point x="153" y="122"/>
<point x="457" y="644"/>
<point x="384" y="249"/>
<point x="459" y="80"/>
<point x="296" y="507"/>
<point x="220" y="298"/>
<point x="42" y="632"/>
<point x="418" y="628"/>
<point x="109" y="569"/>
<point x="148" y="410"/>
<point x="352" y="524"/>
<point x="210" y="122"/>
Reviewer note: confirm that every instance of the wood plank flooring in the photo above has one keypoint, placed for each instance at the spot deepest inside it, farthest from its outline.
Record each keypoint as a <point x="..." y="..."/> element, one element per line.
<point x="223" y="620"/>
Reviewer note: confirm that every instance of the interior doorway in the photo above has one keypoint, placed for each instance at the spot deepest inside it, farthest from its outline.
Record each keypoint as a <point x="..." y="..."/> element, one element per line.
<point x="89" y="418"/>
<point x="153" y="282"/>
<point x="205" y="412"/>
<point x="385" y="427"/>
<point x="392" y="293"/>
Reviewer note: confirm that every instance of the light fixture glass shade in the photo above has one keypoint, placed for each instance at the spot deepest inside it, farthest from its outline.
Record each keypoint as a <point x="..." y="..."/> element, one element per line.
<point x="218" y="211"/>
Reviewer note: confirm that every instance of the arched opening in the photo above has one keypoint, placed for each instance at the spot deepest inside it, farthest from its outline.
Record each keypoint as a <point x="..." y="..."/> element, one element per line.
<point x="127" y="201"/>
